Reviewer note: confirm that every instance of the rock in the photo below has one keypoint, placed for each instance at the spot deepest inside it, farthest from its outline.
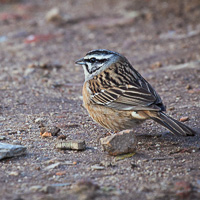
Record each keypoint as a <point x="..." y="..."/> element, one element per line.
<point x="29" y="71"/>
<point x="48" y="189"/>
<point x="52" y="166"/>
<point x="84" y="186"/>
<point x="183" y="189"/>
<point x="60" y="184"/>
<point x="133" y="165"/>
<point x="49" y="131"/>
<point x="54" y="130"/>
<point x="124" y="156"/>
<point x="40" y="121"/>
<point x="85" y="190"/>
<point x="62" y="137"/>
<point x="10" y="132"/>
<point x="120" y="143"/>
<point x="9" y="150"/>
<point x="71" y="145"/>
<point x="97" y="167"/>
<point x="16" y="142"/>
<point x="156" y="65"/>
<point x="44" y="189"/>
<point x="14" y="173"/>
<point x="35" y="188"/>
<point x="42" y="130"/>
<point x="171" y="108"/>
<point x="60" y="173"/>
<point x="184" y="119"/>
<point x="195" y="90"/>
<point x="72" y="125"/>
<point x="107" y="163"/>
<point x="54" y="15"/>
<point x="188" y="87"/>
<point x="2" y="137"/>
<point x="46" y="134"/>
<point x="69" y="163"/>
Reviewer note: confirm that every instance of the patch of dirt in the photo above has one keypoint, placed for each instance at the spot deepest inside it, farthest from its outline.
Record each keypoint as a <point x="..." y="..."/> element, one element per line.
<point x="38" y="79"/>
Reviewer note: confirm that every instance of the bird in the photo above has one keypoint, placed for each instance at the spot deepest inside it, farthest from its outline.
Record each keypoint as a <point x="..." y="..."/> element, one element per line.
<point x="117" y="96"/>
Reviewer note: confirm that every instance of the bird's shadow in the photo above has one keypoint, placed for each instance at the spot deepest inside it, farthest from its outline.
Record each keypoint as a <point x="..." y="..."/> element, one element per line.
<point x="168" y="138"/>
<point x="167" y="143"/>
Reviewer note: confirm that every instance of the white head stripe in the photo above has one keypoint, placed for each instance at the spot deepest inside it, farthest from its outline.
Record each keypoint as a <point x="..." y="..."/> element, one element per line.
<point x="98" y="56"/>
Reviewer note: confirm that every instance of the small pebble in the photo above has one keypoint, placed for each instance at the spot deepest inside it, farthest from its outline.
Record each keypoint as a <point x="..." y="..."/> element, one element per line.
<point x="48" y="189"/>
<point x="71" y="145"/>
<point x="167" y="78"/>
<point x="39" y="120"/>
<point x="84" y="185"/>
<point x="54" y="15"/>
<point x="171" y="108"/>
<point x="49" y="131"/>
<point x="46" y="134"/>
<point x="35" y="188"/>
<point x="156" y="65"/>
<point x="60" y="184"/>
<point x="11" y="132"/>
<point x="97" y="167"/>
<point x="54" y="130"/>
<point x="183" y="189"/>
<point x="2" y="137"/>
<point x="14" y="173"/>
<point x="16" y="142"/>
<point x="60" y="173"/>
<point x="62" y="137"/>
<point x="44" y="189"/>
<point x="184" y="119"/>
<point x="188" y="87"/>
<point x="52" y="166"/>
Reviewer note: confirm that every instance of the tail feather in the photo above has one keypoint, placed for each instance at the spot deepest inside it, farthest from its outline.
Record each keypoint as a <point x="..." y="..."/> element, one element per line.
<point x="173" y="125"/>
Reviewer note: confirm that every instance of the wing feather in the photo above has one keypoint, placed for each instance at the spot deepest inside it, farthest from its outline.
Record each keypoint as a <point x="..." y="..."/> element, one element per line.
<point x="135" y="94"/>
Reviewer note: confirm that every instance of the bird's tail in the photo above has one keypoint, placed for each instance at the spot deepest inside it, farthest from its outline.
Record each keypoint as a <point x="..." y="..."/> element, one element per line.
<point x="173" y="125"/>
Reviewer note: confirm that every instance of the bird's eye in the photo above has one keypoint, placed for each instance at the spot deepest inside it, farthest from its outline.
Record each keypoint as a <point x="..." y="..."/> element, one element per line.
<point x="92" y="60"/>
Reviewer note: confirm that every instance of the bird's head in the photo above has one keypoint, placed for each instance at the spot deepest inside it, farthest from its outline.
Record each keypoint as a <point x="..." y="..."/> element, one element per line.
<point x="96" y="61"/>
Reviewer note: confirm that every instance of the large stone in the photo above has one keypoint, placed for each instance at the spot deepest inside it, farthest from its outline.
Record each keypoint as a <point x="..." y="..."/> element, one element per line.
<point x="9" y="150"/>
<point x="120" y="143"/>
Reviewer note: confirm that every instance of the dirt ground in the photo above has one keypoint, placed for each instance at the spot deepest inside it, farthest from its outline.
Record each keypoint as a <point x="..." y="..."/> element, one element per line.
<point x="38" y="79"/>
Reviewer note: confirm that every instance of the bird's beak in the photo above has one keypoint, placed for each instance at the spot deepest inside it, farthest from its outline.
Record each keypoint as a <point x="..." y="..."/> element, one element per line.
<point x="80" y="61"/>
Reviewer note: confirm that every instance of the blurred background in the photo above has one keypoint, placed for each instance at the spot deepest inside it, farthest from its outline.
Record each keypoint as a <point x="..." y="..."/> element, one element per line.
<point x="39" y="42"/>
<point x="65" y="30"/>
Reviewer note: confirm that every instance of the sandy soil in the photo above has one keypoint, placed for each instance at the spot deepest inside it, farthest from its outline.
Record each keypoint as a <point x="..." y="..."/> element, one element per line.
<point x="162" y="41"/>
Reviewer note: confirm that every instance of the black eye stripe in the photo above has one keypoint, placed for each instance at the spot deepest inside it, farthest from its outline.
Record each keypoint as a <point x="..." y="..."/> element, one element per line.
<point x="94" y="62"/>
<point x="86" y="67"/>
<point x="102" y="60"/>
<point x="97" y="60"/>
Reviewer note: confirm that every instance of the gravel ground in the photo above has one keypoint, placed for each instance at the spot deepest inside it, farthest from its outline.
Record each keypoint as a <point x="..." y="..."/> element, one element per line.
<point x="40" y="82"/>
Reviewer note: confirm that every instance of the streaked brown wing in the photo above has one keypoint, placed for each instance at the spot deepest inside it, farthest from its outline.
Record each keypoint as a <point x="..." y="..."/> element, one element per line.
<point x="125" y="98"/>
<point x="123" y="88"/>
